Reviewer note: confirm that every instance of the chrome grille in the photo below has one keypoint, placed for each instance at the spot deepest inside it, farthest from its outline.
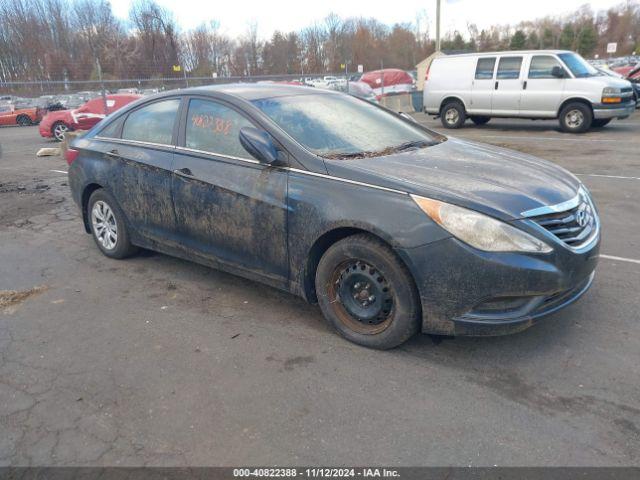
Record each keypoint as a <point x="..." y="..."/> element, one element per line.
<point x="575" y="226"/>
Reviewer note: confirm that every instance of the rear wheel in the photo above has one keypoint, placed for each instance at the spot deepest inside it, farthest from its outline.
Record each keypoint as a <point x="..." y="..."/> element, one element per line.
<point x="452" y="114"/>
<point x="108" y="226"/>
<point x="58" y="130"/>
<point x="600" y="122"/>
<point x="576" y="118"/>
<point x="366" y="293"/>
<point x="479" y="119"/>
<point x="23" y="120"/>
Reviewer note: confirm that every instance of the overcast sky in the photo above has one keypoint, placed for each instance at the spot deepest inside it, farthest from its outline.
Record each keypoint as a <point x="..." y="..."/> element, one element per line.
<point x="287" y="15"/>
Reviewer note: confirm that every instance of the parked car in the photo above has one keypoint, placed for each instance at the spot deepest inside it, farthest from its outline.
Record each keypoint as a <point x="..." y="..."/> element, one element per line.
<point x="390" y="227"/>
<point x="529" y="84"/>
<point x="12" y="115"/>
<point x="55" y="124"/>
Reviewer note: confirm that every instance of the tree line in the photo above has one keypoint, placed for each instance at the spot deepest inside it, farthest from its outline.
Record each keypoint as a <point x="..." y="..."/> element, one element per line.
<point x="43" y="40"/>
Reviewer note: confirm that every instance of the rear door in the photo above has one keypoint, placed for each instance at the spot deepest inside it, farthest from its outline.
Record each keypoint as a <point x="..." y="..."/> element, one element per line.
<point x="229" y="207"/>
<point x="541" y="91"/>
<point x="507" y="86"/>
<point x="145" y="151"/>
<point x="483" y="86"/>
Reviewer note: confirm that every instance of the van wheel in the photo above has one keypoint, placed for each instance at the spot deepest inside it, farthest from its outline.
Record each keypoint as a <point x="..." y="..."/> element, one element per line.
<point x="366" y="293"/>
<point x="452" y="115"/>
<point x="108" y="226"/>
<point x="576" y="118"/>
<point x="600" y="122"/>
<point x="479" y="119"/>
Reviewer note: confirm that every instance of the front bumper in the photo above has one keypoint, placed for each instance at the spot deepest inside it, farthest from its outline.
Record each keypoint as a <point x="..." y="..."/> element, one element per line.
<point x="614" y="111"/>
<point x="463" y="290"/>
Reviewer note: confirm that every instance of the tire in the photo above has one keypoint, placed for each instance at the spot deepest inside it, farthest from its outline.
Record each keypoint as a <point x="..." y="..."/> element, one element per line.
<point x="23" y="121"/>
<point x="58" y="130"/>
<point x="479" y="119"/>
<point x="452" y="114"/>
<point x="113" y="238"/>
<point x="366" y="293"/>
<point x="600" y="122"/>
<point x="575" y="118"/>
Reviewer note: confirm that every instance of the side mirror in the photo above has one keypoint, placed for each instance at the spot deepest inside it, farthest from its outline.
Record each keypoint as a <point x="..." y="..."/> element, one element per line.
<point x="558" y="72"/>
<point x="259" y="144"/>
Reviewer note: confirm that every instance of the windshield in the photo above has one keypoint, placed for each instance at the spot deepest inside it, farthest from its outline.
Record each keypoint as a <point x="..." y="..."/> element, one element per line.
<point x="340" y="126"/>
<point x="578" y="65"/>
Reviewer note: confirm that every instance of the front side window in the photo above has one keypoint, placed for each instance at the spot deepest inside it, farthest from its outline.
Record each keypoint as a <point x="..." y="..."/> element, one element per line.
<point x="484" y="68"/>
<point x="509" y="68"/>
<point x="152" y="123"/>
<point x="213" y="127"/>
<point x="541" y="66"/>
<point x="340" y="126"/>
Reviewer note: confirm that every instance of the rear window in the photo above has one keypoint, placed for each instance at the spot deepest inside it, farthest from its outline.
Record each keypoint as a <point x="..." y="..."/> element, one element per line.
<point x="152" y="123"/>
<point x="509" y="68"/>
<point x="484" y="68"/>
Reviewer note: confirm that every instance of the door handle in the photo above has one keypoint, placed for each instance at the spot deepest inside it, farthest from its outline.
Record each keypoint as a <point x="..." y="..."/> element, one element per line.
<point x="112" y="153"/>
<point x="183" y="172"/>
<point x="496" y="86"/>
<point x="524" y="85"/>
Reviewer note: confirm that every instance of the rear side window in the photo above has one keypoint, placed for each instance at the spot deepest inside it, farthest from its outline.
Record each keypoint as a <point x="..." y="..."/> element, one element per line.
<point x="112" y="130"/>
<point x="541" y="66"/>
<point x="152" y="123"/>
<point x="484" y="68"/>
<point x="213" y="127"/>
<point x="509" y="68"/>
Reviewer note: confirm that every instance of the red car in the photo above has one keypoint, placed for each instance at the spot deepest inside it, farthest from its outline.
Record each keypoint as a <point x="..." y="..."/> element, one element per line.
<point x="10" y="115"/>
<point x="56" y="124"/>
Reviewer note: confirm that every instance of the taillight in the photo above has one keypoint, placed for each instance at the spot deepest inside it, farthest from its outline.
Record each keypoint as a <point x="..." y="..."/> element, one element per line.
<point x="426" y="74"/>
<point x="70" y="155"/>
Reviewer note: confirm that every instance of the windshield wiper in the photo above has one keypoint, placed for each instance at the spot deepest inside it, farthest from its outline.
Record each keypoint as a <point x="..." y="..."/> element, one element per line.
<point x="414" y="144"/>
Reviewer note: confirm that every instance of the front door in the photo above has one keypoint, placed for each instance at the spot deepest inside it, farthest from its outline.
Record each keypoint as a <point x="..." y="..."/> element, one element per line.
<point x="542" y="92"/>
<point x="229" y="207"/>
<point x="482" y="86"/>
<point x="507" y="87"/>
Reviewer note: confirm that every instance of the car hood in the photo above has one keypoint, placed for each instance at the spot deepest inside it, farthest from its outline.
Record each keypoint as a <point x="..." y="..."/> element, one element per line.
<point x="496" y="181"/>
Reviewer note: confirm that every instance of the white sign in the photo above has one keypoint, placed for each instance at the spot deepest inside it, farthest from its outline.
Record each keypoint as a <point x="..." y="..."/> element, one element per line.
<point x="612" y="47"/>
<point x="360" y="69"/>
<point x="214" y="74"/>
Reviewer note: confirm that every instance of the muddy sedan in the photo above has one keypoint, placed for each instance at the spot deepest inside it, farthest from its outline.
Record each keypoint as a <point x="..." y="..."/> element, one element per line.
<point x="391" y="228"/>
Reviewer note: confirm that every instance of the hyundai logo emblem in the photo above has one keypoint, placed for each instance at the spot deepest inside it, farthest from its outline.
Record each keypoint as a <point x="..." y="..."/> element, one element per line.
<point x="581" y="216"/>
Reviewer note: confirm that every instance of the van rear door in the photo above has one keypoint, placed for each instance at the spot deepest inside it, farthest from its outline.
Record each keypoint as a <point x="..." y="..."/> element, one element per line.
<point x="482" y="86"/>
<point x="507" y="87"/>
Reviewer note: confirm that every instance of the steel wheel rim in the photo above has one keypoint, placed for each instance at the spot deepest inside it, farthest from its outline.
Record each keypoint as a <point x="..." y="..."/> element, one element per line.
<point x="451" y="116"/>
<point x="362" y="298"/>
<point x="59" y="131"/>
<point x="105" y="227"/>
<point x="574" y="118"/>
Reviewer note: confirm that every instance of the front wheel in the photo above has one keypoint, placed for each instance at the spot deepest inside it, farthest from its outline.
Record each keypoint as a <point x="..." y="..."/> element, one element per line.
<point x="600" y="122"/>
<point x="23" y="121"/>
<point x="108" y="225"/>
<point x="367" y="294"/>
<point x="576" y="118"/>
<point x="59" y="130"/>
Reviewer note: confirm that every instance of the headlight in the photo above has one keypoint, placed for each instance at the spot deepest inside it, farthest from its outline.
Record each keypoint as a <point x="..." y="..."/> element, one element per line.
<point x="611" y="91"/>
<point x="478" y="230"/>
<point x="611" y="95"/>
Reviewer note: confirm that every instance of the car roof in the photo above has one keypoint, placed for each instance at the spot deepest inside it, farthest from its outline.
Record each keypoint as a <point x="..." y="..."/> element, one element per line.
<point x="255" y="91"/>
<point x="505" y="52"/>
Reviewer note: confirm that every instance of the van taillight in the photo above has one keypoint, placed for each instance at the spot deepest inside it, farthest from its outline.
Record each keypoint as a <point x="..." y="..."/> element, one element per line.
<point x="426" y="75"/>
<point x="70" y="155"/>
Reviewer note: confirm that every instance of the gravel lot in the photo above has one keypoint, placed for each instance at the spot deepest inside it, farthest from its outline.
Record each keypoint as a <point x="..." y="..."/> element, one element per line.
<point x="157" y="361"/>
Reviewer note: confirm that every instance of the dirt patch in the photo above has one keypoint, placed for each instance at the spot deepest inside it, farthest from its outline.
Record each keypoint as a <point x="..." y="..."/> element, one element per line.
<point x="10" y="299"/>
<point x="24" y="200"/>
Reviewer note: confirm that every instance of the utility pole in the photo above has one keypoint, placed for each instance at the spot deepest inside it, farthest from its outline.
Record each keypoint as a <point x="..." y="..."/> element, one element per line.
<point x="437" y="25"/>
<point x="104" y="94"/>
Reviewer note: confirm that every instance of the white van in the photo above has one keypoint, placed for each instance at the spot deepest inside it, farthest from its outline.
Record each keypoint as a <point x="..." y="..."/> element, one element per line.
<point x="525" y="84"/>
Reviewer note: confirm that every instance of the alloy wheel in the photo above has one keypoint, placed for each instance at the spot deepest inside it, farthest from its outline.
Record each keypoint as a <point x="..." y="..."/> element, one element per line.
<point x="59" y="130"/>
<point x="574" y="119"/>
<point x="451" y="116"/>
<point x="104" y="225"/>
